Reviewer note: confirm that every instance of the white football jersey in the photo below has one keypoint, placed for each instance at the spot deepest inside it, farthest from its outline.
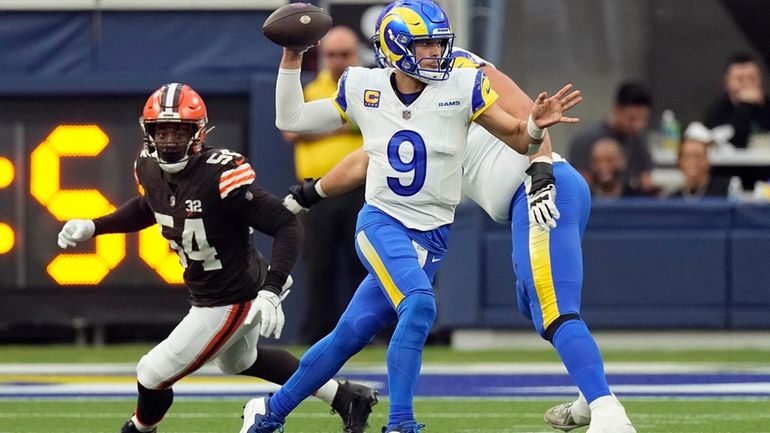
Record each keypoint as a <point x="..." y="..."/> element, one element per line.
<point x="415" y="151"/>
<point x="492" y="171"/>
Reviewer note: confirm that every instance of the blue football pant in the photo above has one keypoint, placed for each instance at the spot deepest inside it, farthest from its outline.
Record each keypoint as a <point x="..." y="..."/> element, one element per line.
<point x="549" y="270"/>
<point x="398" y="288"/>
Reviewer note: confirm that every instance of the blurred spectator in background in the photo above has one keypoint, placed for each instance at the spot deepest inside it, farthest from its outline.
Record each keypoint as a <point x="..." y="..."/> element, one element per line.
<point x="331" y="264"/>
<point x="627" y="124"/>
<point x="744" y="104"/>
<point x="695" y="166"/>
<point x="606" y="175"/>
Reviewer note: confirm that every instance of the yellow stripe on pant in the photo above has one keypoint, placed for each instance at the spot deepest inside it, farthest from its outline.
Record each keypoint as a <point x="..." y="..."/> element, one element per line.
<point x="540" y="260"/>
<point x="379" y="268"/>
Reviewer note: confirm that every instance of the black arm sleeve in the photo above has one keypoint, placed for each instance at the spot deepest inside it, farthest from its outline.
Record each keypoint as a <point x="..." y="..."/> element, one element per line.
<point x="253" y="206"/>
<point x="132" y="216"/>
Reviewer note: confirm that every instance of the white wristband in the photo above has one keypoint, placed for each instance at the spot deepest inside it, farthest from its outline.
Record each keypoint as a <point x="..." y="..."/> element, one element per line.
<point x="535" y="133"/>
<point x="319" y="190"/>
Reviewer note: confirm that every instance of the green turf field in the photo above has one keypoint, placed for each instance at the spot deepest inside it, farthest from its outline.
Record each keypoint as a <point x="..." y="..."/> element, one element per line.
<point x="376" y="355"/>
<point x="514" y="415"/>
<point x="459" y="416"/>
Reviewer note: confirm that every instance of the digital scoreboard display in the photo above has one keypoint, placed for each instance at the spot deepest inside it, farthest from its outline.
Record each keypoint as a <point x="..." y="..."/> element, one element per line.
<point x="52" y="171"/>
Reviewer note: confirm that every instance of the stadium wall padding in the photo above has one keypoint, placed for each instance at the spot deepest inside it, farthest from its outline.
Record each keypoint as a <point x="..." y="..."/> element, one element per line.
<point x="123" y="52"/>
<point x="648" y="265"/>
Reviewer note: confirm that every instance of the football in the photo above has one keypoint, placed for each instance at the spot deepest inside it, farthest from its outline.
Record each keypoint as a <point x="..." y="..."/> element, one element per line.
<point x="297" y="25"/>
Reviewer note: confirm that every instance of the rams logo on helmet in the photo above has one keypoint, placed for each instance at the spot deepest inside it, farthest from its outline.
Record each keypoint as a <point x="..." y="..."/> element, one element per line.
<point x="411" y="21"/>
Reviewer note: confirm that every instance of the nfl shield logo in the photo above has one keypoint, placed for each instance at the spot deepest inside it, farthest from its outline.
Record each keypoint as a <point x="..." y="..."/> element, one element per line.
<point x="406" y="114"/>
<point x="172" y="201"/>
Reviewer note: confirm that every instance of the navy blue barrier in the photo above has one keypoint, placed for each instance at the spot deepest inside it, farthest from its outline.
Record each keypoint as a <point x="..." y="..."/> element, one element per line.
<point x="130" y="52"/>
<point x="749" y="253"/>
<point x="648" y="264"/>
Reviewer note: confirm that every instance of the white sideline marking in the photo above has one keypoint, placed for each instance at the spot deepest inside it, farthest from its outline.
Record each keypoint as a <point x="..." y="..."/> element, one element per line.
<point x="719" y="388"/>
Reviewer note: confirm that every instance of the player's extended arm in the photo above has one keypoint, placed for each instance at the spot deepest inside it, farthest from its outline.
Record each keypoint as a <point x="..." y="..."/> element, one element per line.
<point x="515" y="102"/>
<point x="255" y="207"/>
<point x="540" y="183"/>
<point x="347" y="175"/>
<point x="292" y="113"/>
<point x="132" y="216"/>
<point x="294" y="138"/>
<point x="519" y="134"/>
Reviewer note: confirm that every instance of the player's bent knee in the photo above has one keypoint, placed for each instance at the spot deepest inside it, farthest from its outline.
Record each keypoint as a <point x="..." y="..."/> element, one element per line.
<point x="419" y="309"/>
<point x="554" y="326"/>
<point x="148" y="376"/>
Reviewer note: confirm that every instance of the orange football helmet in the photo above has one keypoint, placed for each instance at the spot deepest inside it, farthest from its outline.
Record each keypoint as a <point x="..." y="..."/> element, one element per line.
<point x="174" y="103"/>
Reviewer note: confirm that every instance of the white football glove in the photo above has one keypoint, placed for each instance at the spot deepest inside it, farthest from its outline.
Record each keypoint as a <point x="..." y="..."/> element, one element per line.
<point x="290" y="203"/>
<point x="75" y="231"/>
<point x="267" y="311"/>
<point x="541" y="195"/>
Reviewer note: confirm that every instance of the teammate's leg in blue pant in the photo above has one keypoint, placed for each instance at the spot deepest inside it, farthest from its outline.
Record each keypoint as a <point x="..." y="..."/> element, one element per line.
<point x="549" y="266"/>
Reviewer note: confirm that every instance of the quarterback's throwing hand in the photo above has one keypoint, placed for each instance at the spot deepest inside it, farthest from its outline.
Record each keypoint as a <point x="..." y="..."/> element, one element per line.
<point x="541" y="195"/>
<point x="75" y="231"/>
<point x="549" y="111"/>
<point x="266" y="309"/>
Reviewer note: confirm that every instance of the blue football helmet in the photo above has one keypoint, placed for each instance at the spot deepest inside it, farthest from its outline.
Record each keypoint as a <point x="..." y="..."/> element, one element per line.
<point x="410" y="21"/>
<point x="374" y="41"/>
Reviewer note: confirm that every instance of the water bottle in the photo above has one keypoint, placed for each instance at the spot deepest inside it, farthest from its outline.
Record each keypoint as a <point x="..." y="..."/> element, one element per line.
<point x="735" y="189"/>
<point x="670" y="131"/>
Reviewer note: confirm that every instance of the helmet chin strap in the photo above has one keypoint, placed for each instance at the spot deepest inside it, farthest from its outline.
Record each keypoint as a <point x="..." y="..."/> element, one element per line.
<point x="176" y="167"/>
<point x="173" y="167"/>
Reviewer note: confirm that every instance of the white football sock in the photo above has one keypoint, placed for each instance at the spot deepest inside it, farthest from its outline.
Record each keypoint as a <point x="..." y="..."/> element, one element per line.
<point x="605" y="401"/>
<point x="327" y="391"/>
<point x="580" y="409"/>
<point x="141" y="427"/>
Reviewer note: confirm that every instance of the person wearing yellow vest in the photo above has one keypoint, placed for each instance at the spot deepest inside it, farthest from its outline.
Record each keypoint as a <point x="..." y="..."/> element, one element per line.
<point x="331" y="265"/>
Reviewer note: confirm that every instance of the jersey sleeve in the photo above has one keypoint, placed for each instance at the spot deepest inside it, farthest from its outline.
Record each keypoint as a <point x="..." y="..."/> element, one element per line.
<point x="132" y="216"/>
<point x="340" y="97"/>
<point x="253" y="206"/>
<point x="236" y="175"/>
<point x="482" y="95"/>
<point x="466" y="59"/>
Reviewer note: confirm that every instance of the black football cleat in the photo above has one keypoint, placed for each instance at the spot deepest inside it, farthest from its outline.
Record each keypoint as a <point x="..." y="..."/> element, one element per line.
<point x="353" y="402"/>
<point x="129" y="427"/>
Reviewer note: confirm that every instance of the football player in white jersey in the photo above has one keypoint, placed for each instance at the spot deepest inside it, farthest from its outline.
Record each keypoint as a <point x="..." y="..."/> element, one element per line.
<point x="493" y="177"/>
<point x="414" y="119"/>
<point x="496" y="178"/>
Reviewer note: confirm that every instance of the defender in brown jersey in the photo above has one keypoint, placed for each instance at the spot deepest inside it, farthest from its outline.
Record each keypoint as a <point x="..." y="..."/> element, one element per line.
<point x="205" y="201"/>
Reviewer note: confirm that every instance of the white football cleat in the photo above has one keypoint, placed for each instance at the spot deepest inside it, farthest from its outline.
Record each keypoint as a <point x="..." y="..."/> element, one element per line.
<point x="564" y="417"/>
<point x="610" y="419"/>
<point x="256" y="417"/>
